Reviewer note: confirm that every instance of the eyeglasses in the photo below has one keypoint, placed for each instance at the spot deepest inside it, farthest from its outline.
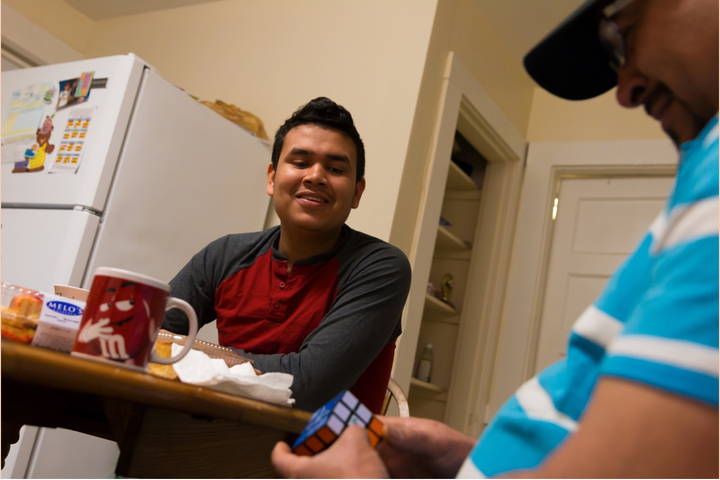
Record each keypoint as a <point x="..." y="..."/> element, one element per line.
<point x="611" y="38"/>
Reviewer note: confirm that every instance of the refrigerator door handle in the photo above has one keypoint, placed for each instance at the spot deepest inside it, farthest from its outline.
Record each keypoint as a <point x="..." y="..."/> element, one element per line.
<point x="80" y="208"/>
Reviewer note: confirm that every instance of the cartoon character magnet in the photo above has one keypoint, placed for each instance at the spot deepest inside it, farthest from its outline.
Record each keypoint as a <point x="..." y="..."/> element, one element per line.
<point x="35" y="156"/>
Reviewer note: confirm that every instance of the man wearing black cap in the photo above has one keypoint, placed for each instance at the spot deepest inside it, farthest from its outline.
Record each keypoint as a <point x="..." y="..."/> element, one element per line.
<point x="637" y="395"/>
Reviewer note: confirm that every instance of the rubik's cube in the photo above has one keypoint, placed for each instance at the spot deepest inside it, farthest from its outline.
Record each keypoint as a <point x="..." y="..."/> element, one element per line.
<point x="327" y="423"/>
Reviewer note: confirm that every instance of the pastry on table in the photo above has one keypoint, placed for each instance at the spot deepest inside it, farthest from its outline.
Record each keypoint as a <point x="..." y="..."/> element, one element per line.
<point x="163" y="345"/>
<point x="21" y="319"/>
<point x="164" y="349"/>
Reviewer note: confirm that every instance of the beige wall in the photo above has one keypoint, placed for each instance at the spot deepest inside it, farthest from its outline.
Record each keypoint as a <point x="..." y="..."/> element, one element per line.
<point x="382" y="59"/>
<point x="458" y="27"/>
<point x="557" y="120"/>
<point x="271" y="56"/>
<point x="57" y="18"/>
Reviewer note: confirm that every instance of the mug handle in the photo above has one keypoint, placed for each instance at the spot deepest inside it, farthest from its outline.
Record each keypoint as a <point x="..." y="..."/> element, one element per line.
<point x="173" y="302"/>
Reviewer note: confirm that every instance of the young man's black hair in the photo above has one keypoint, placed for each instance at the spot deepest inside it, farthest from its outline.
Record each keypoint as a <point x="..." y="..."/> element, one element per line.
<point x="327" y="114"/>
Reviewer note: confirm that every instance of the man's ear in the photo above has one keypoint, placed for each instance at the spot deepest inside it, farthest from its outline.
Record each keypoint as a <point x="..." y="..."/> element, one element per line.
<point x="359" y="189"/>
<point x="270" y="187"/>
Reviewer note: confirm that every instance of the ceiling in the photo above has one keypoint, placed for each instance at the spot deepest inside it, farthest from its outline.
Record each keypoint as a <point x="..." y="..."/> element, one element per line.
<point x="518" y="23"/>
<point x="103" y="9"/>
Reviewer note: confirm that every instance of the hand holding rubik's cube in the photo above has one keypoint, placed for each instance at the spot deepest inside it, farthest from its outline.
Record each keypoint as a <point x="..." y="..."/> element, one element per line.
<point x="327" y="423"/>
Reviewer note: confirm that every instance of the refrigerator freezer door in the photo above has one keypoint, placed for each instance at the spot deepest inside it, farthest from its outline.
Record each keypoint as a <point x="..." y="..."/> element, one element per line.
<point x="41" y="248"/>
<point x="108" y="107"/>
<point x="60" y="453"/>
<point x="18" y="459"/>
<point x="186" y="177"/>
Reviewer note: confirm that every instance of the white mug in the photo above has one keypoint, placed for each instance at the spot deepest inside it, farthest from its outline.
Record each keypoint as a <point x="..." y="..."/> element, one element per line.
<point x="74" y="293"/>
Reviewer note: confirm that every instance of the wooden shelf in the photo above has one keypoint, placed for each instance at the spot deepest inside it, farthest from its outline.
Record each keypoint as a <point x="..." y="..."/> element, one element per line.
<point x="453" y="255"/>
<point x="414" y="382"/>
<point x="458" y="180"/>
<point x="448" y="320"/>
<point x="438" y="311"/>
<point x="446" y="240"/>
<point x="472" y="195"/>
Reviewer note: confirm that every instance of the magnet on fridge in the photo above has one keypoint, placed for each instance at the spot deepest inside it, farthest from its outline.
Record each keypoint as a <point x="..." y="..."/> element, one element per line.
<point x="83" y="86"/>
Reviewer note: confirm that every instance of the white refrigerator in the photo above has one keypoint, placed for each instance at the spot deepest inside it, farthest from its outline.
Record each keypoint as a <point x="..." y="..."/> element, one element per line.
<point x="105" y="163"/>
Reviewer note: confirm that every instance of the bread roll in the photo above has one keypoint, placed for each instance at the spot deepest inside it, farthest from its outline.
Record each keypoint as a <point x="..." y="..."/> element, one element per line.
<point x="21" y="319"/>
<point x="27" y="306"/>
<point x="164" y="349"/>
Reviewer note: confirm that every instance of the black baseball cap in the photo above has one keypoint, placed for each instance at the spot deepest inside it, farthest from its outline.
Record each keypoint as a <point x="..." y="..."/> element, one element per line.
<point x="571" y="62"/>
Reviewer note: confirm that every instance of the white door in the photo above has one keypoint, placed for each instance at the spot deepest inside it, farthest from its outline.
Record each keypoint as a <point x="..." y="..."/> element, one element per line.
<point x="599" y="223"/>
<point x="558" y="267"/>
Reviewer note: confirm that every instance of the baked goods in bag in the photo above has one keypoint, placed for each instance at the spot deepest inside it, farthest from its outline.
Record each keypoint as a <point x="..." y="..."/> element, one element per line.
<point x="21" y="316"/>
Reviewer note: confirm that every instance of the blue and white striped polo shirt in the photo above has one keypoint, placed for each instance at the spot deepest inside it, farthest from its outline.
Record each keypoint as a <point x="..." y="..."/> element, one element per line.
<point x="656" y="323"/>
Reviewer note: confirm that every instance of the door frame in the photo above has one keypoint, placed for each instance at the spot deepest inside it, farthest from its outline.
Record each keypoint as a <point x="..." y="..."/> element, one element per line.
<point x="466" y="107"/>
<point x="547" y="164"/>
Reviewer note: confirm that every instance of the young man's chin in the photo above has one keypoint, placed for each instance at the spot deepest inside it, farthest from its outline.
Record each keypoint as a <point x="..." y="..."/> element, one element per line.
<point x="312" y="225"/>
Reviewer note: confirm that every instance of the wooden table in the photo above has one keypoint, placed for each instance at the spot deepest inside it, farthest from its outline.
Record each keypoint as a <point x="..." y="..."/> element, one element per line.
<point x="164" y="428"/>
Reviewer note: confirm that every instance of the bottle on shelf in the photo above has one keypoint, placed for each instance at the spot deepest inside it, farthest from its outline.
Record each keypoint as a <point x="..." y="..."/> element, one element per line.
<point x="425" y="365"/>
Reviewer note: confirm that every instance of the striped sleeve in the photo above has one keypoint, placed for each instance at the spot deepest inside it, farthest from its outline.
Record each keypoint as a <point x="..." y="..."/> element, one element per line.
<point x="670" y="340"/>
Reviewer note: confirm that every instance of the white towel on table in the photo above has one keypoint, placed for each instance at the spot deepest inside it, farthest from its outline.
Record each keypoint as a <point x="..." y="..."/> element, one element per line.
<point x="199" y="369"/>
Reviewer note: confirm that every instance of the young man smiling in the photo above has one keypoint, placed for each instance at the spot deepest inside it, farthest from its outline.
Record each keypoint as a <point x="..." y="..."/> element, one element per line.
<point x="314" y="184"/>
<point x="637" y="394"/>
<point x="311" y="297"/>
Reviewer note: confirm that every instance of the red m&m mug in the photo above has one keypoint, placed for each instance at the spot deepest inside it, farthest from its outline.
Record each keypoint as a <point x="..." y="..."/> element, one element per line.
<point x="122" y="319"/>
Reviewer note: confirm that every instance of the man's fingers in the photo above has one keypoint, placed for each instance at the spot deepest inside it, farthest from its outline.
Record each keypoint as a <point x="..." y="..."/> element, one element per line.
<point x="280" y="448"/>
<point x="354" y="434"/>
<point x="410" y="434"/>
<point x="395" y="431"/>
<point x="284" y="461"/>
<point x="348" y="457"/>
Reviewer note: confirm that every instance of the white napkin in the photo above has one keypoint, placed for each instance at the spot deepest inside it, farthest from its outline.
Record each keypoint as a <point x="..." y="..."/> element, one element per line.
<point x="199" y="369"/>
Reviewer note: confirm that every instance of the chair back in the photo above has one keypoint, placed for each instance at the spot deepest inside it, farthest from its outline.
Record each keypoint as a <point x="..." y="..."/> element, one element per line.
<point x="394" y="390"/>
